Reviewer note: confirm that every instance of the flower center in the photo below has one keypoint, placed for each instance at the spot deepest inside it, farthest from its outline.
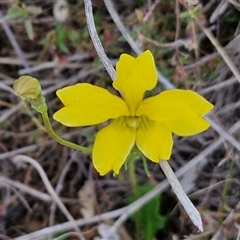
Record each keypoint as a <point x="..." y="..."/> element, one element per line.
<point x="133" y="122"/>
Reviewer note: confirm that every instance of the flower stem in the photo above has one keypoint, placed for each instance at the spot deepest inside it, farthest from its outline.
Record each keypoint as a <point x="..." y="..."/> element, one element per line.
<point x="42" y="109"/>
<point x="133" y="180"/>
<point x="132" y="175"/>
<point x="182" y="196"/>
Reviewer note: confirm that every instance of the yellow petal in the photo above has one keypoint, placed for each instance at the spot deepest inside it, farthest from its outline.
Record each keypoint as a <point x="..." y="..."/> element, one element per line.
<point x="154" y="141"/>
<point x="180" y="111"/>
<point x="134" y="77"/>
<point x="86" y="104"/>
<point x="112" y="146"/>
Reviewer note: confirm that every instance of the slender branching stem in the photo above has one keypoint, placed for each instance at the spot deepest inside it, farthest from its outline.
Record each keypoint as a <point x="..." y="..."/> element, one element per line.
<point x="182" y="196"/>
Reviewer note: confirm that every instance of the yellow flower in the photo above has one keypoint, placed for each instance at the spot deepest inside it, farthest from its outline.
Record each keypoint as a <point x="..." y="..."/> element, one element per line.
<point x="148" y="123"/>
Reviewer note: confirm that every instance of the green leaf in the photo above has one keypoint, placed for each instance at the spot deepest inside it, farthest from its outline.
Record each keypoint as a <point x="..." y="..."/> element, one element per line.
<point x="63" y="47"/>
<point x="61" y="35"/>
<point x="16" y="12"/>
<point x="34" y="10"/>
<point x="191" y="14"/>
<point x="29" y="29"/>
<point x="74" y="36"/>
<point x="185" y="14"/>
<point x="148" y="217"/>
<point x="59" y="234"/>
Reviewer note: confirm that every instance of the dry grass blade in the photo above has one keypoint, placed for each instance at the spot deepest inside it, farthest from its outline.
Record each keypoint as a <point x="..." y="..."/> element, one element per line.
<point x="222" y="52"/>
<point x="50" y="189"/>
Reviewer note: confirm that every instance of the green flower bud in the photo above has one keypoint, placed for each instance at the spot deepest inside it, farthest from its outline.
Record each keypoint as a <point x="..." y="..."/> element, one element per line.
<point x="28" y="87"/>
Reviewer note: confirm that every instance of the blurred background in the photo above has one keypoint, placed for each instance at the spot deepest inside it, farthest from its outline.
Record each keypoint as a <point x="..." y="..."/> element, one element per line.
<point x="49" y="40"/>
